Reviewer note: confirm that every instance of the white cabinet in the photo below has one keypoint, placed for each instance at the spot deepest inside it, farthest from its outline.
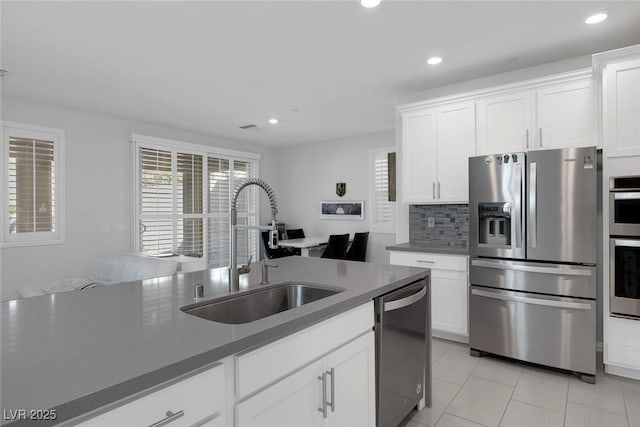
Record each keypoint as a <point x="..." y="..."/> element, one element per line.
<point x="621" y="108"/>
<point x="555" y="116"/>
<point x="436" y="145"/>
<point x="449" y="291"/>
<point x="505" y="123"/>
<point x="198" y="400"/>
<point x="337" y="390"/>
<point x="419" y="156"/>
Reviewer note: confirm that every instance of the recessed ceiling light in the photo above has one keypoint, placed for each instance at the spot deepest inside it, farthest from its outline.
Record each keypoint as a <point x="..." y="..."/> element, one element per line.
<point x="434" y="60"/>
<point x="370" y="3"/>
<point x="596" y="17"/>
<point x="273" y="121"/>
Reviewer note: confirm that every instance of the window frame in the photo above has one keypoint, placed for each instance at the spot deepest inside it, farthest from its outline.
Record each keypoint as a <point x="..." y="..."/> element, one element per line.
<point x="35" y="238"/>
<point x="144" y="141"/>
<point x="390" y="227"/>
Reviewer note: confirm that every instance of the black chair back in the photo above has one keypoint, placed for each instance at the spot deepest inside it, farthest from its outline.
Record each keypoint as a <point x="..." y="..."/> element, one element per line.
<point x="296" y="233"/>
<point x="272" y="253"/>
<point x="337" y="246"/>
<point x="358" y="249"/>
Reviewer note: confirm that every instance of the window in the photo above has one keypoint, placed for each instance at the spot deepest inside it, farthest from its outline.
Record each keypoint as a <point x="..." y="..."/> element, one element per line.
<point x="184" y="194"/>
<point x="33" y="190"/>
<point x="383" y="211"/>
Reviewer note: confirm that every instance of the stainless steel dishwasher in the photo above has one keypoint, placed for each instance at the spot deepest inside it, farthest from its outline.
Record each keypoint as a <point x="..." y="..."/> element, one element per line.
<point x="403" y="352"/>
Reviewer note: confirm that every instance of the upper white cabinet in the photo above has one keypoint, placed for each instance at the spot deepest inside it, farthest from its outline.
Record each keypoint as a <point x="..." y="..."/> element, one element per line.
<point x="621" y="108"/>
<point x="436" y="145"/>
<point x="557" y="116"/>
<point x="505" y="123"/>
<point x="566" y="115"/>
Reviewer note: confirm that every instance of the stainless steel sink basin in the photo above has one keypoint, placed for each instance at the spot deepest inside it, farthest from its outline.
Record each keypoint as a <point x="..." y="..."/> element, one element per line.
<point x="260" y="303"/>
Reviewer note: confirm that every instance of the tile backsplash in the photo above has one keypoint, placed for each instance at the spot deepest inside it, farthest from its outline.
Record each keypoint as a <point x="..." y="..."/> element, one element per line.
<point x="451" y="228"/>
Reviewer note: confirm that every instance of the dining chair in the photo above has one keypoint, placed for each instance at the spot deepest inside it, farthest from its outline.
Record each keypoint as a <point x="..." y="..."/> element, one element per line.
<point x="272" y="253"/>
<point x="296" y="233"/>
<point x="337" y="246"/>
<point x="358" y="249"/>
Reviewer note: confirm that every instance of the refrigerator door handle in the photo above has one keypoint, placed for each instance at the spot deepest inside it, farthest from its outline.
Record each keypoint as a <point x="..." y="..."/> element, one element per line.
<point x="518" y="215"/>
<point x="536" y="301"/>
<point x="533" y="200"/>
<point x="560" y="271"/>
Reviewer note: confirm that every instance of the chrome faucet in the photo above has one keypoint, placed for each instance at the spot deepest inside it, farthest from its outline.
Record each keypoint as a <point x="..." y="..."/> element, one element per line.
<point x="234" y="272"/>
<point x="265" y="272"/>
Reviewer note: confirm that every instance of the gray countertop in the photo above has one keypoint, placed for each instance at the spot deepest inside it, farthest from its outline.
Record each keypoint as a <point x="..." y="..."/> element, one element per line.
<point x="78" y="351"/>
<point x="421" y="247"/>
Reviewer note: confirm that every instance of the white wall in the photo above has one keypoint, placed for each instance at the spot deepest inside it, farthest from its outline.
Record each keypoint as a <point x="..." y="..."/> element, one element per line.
<point x="309" y="173"/>
<point x="98" y="191"/>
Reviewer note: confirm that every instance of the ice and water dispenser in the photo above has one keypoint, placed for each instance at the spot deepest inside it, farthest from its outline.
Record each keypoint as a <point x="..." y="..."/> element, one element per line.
<point x="494" y="224"/>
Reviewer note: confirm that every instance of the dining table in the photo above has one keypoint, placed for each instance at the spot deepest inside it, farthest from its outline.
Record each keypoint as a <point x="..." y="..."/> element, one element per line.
<point x="304" y="244"/>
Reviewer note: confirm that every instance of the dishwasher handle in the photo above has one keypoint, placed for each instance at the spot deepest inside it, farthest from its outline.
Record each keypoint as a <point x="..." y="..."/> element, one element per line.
<point x="394" y="305"/>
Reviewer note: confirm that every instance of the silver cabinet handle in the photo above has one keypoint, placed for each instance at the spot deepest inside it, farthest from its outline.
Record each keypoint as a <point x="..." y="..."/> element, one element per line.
<point x="323" y="380"/>
<point x="540" y="136"/>
<point x="628" y="243"/>
<point x="527" y="142"/>
<point x="533" y="199"/>
<point x="171" y="416"/>
<point x="438" y="189"/>
<point x="434" y="189"/>
<point x="536" y="301"/>
<point x="424" y="261"/>
<point x="560" y="271"/>
<point x="332" y="405"/>
<point x="394" y="305"/>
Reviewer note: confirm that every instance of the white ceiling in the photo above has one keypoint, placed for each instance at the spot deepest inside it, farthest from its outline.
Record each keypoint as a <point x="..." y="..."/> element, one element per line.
<point x="213" y="66"/>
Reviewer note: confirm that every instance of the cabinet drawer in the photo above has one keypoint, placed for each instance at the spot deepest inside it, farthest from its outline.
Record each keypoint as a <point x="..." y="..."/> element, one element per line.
<point x="200" y="397"/>
<point x="262" y="366"/>
<point x="429" y="260"/>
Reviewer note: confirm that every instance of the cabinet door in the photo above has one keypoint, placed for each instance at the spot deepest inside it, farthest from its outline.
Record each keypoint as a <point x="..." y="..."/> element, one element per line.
<point x="505" y="123"/>
<point x="456" y="143"/>
<point x="419" y="156"/>
<point x="566" y="116"/>
<point x="293" y="401"/>
<point x="449" y="302"/>
<point x="353" y="383"/>
<point x="621" y="111"/>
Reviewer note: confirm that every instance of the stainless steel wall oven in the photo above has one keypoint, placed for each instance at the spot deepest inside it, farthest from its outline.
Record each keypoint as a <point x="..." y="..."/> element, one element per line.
<point x="624" y="206"/>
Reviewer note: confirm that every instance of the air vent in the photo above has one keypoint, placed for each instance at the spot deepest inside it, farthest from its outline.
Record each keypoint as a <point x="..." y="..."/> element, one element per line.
<point x="249" y="126"/>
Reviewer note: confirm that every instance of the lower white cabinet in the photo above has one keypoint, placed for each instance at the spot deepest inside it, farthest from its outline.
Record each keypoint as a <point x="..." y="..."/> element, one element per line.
<point x="198" y="400"/>
<point x="449" y="291"/>
<point x="337" y="390"/>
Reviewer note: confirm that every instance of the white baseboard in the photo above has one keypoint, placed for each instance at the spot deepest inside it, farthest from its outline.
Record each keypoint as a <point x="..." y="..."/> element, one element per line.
<point x="622" y="371"/>
<point x="449" y="336"/>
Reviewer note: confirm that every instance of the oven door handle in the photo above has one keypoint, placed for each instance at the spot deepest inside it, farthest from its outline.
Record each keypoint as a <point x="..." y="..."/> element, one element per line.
<point x="626" y="196"/>
<point x="532" y="268"/>
<point x="626" y="242"/>
<point x="394" y="305"/>
<point x="536" y="301"/>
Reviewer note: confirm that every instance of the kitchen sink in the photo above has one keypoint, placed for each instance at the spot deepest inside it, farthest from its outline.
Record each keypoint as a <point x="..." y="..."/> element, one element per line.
<point x="260" y="303"/>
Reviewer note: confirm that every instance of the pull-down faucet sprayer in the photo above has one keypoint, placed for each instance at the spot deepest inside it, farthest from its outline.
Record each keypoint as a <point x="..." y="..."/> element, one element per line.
<point x="234" y="272"/>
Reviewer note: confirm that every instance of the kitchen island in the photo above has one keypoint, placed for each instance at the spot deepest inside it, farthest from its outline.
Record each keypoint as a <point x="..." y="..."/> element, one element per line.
<point x="82" y="351"/>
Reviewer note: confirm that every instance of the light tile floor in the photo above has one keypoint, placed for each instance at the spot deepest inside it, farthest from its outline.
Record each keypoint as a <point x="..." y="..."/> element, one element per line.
<point x="493" y="392"/>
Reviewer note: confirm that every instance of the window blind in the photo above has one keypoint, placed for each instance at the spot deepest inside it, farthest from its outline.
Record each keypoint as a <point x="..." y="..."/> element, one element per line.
<point x="383" y="215"/>
<point x="155" y="183"/>
<point x="31" y="186"/>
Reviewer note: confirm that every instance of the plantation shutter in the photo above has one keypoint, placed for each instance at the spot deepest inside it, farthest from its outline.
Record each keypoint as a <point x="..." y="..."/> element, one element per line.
<point x="219" y="182"/>
<point x="31" y="186"/>
<point x="156" y="201"/>
<point x="383" y="215"/>
<point x="189" y="227"/>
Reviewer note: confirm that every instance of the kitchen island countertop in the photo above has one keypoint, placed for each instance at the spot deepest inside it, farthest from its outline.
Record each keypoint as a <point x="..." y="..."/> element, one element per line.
<point x="79" y="351"/>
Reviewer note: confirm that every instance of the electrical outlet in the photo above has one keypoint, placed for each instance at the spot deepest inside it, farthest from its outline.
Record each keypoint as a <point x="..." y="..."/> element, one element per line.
<point x="431" y="222"/>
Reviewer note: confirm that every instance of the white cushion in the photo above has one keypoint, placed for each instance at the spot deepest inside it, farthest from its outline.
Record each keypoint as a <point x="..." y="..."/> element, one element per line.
<point x="66" y="285"/>
<point x="127" y="268"/>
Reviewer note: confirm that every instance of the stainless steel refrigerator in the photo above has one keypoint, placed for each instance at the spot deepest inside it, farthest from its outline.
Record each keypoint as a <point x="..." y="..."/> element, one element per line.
<point x="533" y="241"/>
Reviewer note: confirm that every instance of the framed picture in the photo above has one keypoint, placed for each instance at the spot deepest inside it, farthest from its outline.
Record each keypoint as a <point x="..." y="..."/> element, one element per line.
<point x="342" y="209"/>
